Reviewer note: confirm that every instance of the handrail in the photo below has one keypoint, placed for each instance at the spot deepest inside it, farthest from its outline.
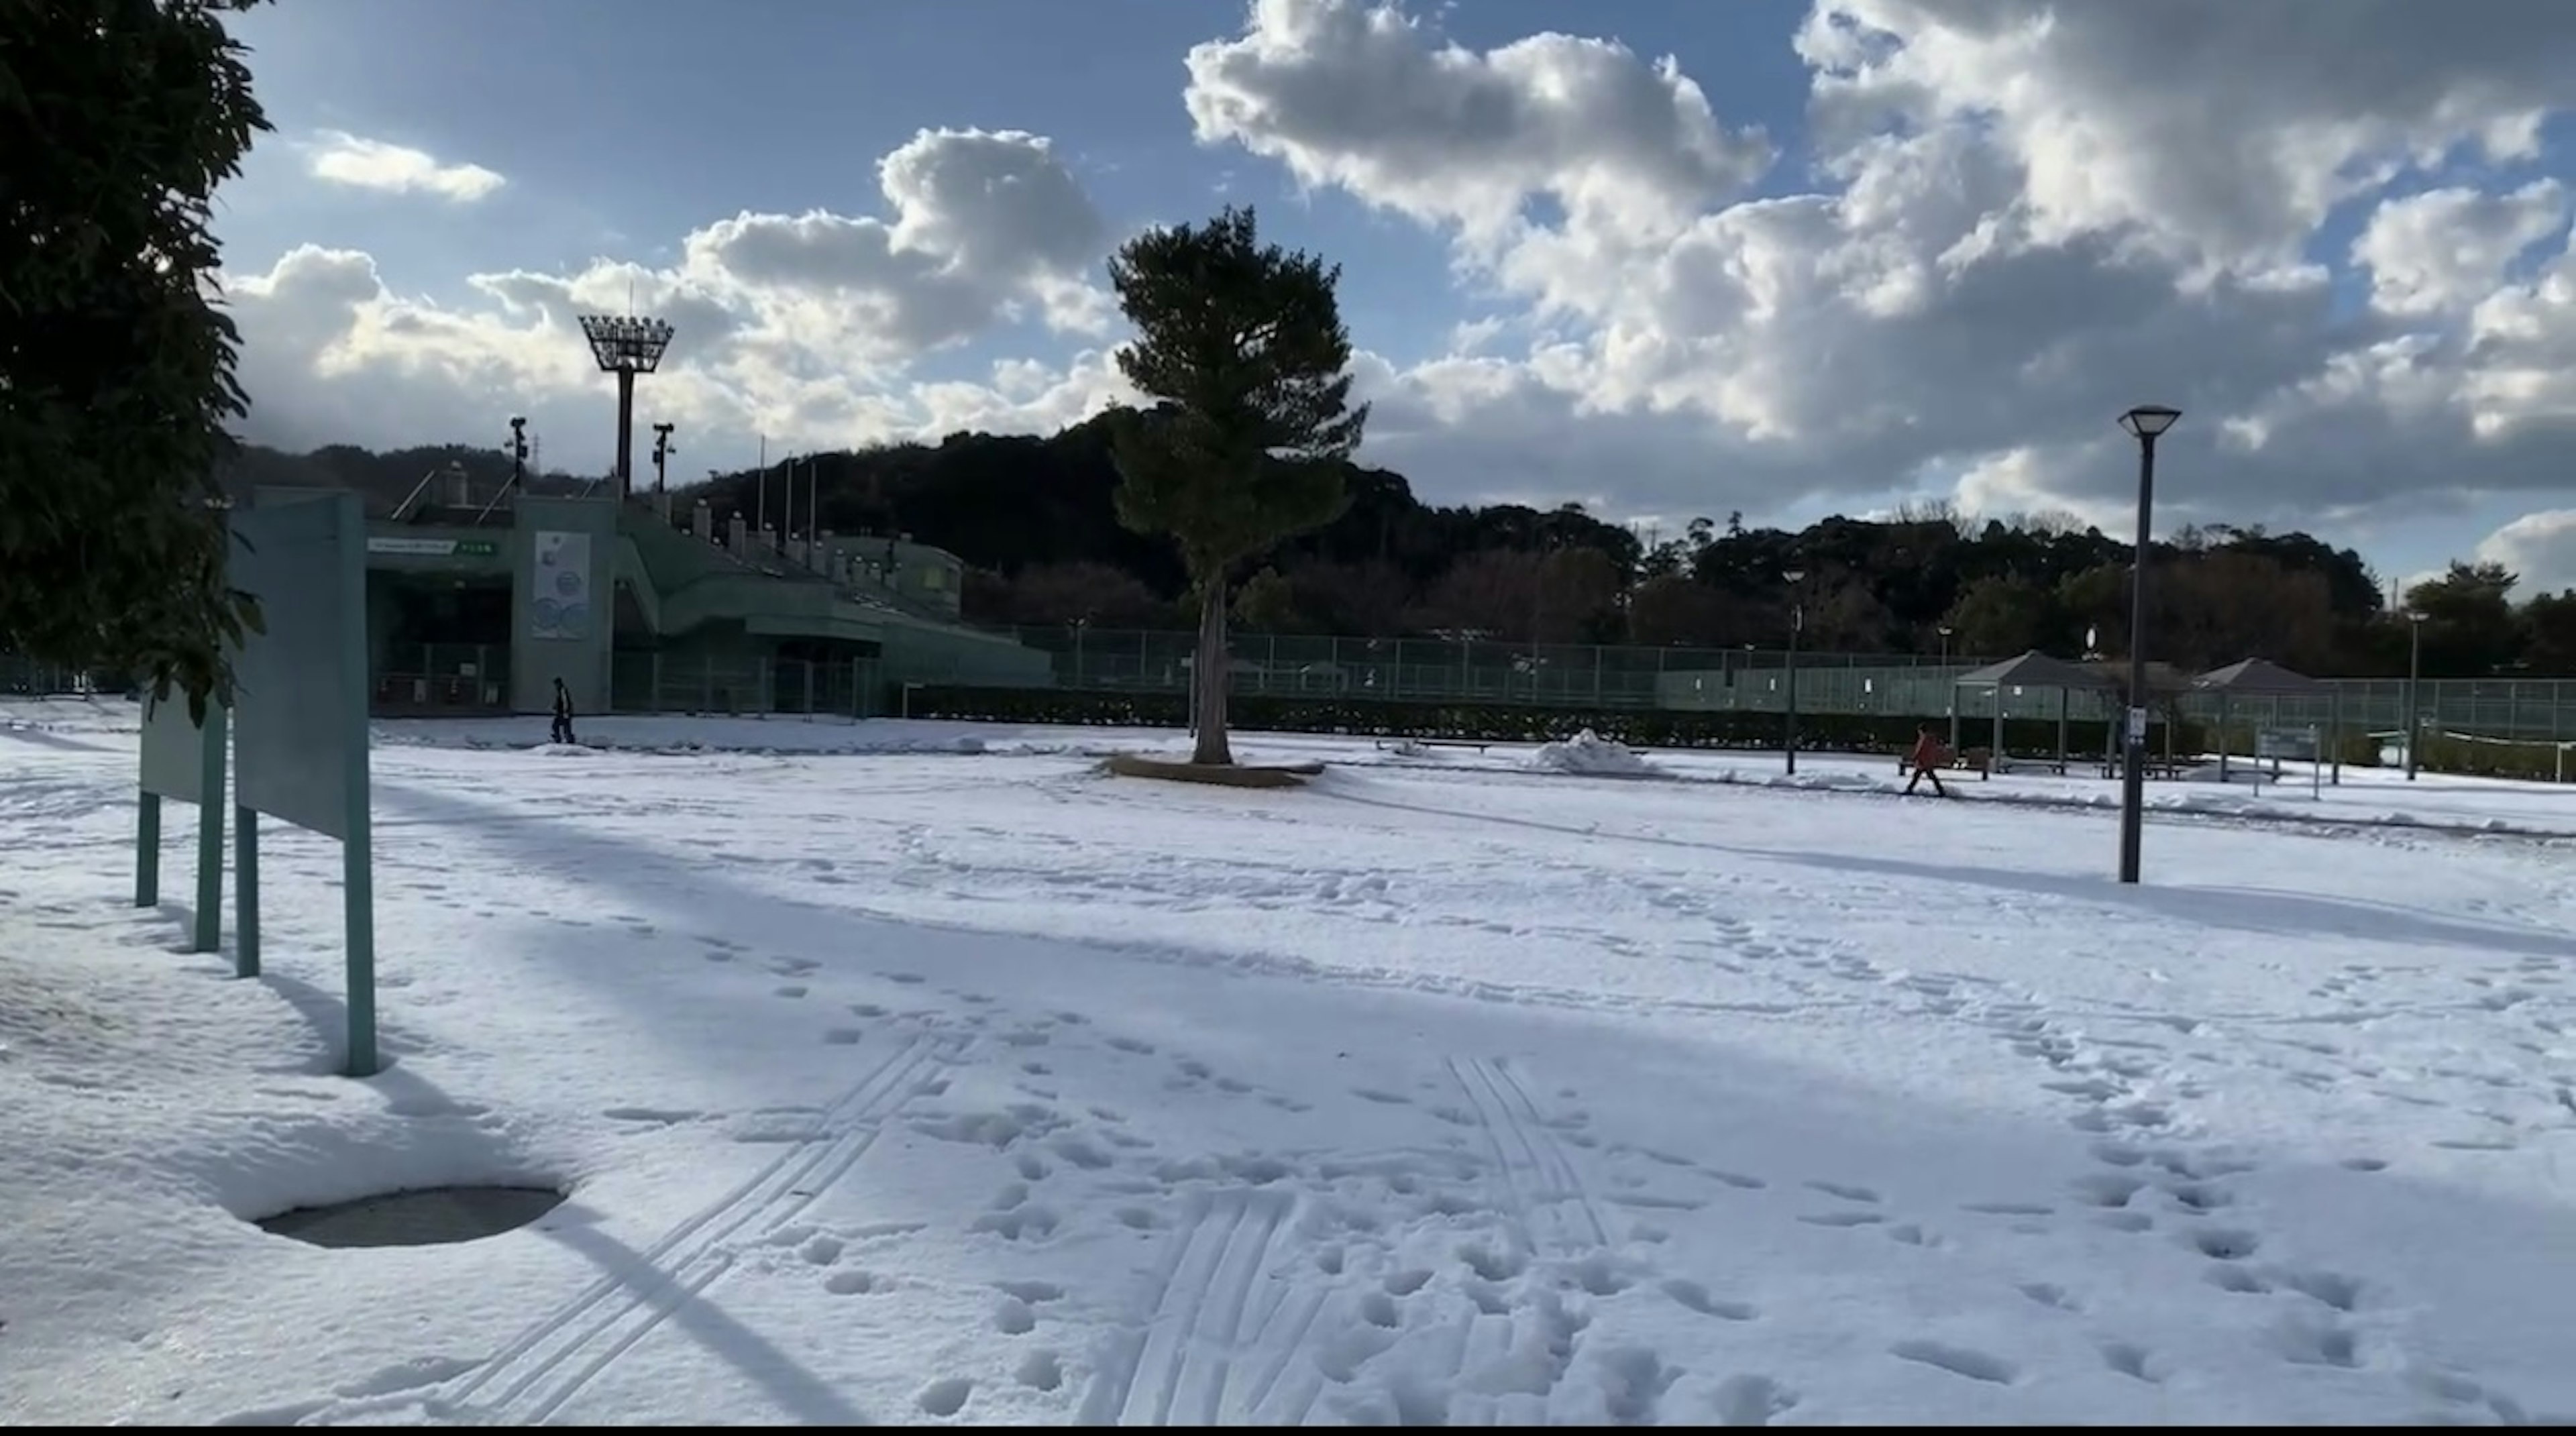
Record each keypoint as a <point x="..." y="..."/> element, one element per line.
<point x="404" y="507"/>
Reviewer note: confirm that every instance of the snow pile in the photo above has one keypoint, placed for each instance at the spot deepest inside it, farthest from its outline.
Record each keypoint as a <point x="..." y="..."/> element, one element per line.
<point x="1593" y="756"/>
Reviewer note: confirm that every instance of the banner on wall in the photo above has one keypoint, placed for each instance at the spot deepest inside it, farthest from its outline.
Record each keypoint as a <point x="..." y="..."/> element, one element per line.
<point x="559" y="604"/>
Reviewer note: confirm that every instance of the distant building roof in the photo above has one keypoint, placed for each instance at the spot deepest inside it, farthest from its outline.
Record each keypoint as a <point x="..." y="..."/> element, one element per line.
<point x="2258" y="675"/>
<point x="2035" y="670"/>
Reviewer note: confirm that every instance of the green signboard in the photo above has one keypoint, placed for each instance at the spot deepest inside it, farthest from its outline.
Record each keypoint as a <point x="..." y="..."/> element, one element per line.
<point x="435" y="547"/>
<point x="300" y="720"/>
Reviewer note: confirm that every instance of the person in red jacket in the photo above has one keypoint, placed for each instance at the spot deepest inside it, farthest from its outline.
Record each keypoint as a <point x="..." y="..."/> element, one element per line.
<point x="1926" y="760"/>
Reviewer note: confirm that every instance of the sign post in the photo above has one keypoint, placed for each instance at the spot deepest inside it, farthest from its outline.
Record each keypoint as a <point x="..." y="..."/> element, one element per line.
<point x="300" y="726"/>
<point x="184" y="760"/>
<point x="2296" y="743"/>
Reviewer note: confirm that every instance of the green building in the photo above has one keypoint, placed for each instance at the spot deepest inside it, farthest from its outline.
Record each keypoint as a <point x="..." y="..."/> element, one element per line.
<point x="478" y="602"/>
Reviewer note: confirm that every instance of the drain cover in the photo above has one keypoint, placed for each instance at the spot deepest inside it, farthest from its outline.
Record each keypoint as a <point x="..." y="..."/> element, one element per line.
<point x="434" y="1216"/>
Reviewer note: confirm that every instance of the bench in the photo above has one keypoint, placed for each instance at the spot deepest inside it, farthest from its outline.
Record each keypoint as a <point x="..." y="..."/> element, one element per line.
<point x="1965" y="760"/>
<point x="1384" y="744"/>
<point x="2153" y="768"/>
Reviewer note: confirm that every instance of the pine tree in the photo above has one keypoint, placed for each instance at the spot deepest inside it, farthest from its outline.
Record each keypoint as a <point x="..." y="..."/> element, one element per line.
<point x="1241" y="346"/>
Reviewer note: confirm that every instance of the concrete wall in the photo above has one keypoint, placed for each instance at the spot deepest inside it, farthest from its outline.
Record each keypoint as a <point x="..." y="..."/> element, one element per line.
<point x="562" y="615"/>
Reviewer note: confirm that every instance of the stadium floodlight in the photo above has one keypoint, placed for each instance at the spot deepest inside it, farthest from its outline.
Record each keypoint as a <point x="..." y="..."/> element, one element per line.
<point x="626" y="346"/>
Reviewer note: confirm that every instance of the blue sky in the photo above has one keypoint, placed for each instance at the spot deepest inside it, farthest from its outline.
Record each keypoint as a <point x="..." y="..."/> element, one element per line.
<point x="629" y="122"/>
<point x="622" y="127"/>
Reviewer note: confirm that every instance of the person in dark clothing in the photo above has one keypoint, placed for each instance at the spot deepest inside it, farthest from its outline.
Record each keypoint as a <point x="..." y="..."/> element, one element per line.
<point x="1926" y="761"/>
<point x="562" y="732"/>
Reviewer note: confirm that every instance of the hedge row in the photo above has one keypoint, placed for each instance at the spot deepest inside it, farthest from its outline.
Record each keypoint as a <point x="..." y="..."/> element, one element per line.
<point x="2528" y="762"/>
<point x="2531" y="761"/>
<point x="1499" y="722"/>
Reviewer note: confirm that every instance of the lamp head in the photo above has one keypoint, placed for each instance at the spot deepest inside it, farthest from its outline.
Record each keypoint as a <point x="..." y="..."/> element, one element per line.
<point x="2148" y="420"/>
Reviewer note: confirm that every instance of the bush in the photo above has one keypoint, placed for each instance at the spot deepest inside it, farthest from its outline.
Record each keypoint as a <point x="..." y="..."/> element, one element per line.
<point x="1877" y="733"/>
<point x="2534" y="761"/>
<point x="2528" y="761"/>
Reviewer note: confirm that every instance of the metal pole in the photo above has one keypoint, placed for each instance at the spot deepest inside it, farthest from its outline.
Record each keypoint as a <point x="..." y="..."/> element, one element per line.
<point x="2133" y="770"/>
<point x="1950" y="691"/>
<point x="147" y="848"/>
<point x="2334" y="729"/>
<point x="2414" y="675"/>
<point x="1797" y="620"/>
<point x="625" y="433"/>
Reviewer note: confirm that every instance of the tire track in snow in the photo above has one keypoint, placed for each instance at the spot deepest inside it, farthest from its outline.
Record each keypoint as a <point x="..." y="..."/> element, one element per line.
<point x="1203" y="1356"/>
<point x="617" y="1311"/>
<point x="1519" y="1345"/>
<point x="1537" y="1176"/>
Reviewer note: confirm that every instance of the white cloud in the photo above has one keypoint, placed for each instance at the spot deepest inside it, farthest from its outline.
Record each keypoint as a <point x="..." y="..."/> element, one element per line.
<point x="2540" y="547"/>
<point x="345" y="159"/>
<point x="2022" y="229"/>
<point x="1366" y="99"/>
<point x="2446" y="249"/>
<point x="802" y="326"/>
<point x="2015" y="220"/>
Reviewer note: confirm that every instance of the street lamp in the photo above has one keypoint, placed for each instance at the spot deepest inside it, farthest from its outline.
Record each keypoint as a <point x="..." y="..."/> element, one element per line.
<point x="2146" y="424"/>
<point x="626" y="346"/>
<point x="1949" y="690"/>
<point x="2414" y="676"/>
<point x="1789" y="670"/>
<point x="662" y="452"/>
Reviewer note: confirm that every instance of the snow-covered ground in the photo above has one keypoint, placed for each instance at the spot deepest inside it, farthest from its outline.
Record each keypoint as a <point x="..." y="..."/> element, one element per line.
<point x="918" y="1072"/>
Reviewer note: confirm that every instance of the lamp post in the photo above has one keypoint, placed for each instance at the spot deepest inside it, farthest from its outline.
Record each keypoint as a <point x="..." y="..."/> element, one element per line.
<point x="1949" y="690"/>
<point x="2414" y="676"/>
<point x="626" y="346"/>
<point x="2146" y="424"/>
<point x="1789" y="670"/>
<point x="662" y="452"/>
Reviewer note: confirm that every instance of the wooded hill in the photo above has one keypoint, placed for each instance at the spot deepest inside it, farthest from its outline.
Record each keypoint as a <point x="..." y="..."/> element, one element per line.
<point x="1032" y="517"/>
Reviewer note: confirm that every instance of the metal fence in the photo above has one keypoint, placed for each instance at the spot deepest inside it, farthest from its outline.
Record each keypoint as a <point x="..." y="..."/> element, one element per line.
<point x="1438" y="669"/>
<point x="1433" y="669"/>
<point x="26" y="678"/>
<point x="424" y="680"/>
<point x="655" y="683"/>
<point x="464" y="678"/>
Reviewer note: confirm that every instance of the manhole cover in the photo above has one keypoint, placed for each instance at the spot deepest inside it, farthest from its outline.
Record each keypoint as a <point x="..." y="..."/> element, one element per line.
<point x="431" y="1217"/>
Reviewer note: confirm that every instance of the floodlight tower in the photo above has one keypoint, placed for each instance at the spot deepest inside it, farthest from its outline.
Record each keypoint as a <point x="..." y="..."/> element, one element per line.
<point x="626" y="346"/>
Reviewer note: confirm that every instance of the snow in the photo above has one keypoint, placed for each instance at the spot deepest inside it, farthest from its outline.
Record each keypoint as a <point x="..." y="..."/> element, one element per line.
<point x="920" y="1072"/>
<point x="1590" y="754"/>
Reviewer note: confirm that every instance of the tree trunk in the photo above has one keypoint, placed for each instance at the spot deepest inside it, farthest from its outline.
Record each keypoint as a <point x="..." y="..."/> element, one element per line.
<point x="1211" y="680"/>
